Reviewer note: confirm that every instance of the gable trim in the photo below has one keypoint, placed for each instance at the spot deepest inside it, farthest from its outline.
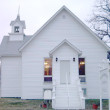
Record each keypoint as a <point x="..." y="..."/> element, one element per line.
<point x="76" y="18"/>
<point x="67" y="42"/>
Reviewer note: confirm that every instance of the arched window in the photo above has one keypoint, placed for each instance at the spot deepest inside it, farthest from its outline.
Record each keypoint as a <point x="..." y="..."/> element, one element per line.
<point x="16" y="29"/>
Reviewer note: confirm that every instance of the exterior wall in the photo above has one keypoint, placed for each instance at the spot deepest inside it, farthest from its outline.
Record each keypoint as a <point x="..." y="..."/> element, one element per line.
<point x="54" y="33"/>
<point x="32" y="76"/>
<point x="11" y="77"/>
<point x="16" y="37"/>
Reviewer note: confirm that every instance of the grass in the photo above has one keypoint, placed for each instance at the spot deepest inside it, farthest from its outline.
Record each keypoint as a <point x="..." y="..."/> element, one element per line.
<point x="18" y="104"/>
<point x="90" y="102"/>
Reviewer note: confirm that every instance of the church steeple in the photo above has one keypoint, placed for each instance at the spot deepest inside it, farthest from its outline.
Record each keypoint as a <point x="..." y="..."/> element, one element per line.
<point x="18" y="27"/>
<point x="18" y="17"/>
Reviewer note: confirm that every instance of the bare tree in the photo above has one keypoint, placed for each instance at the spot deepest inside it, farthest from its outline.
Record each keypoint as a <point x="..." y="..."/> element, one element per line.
<point x="100" y="21"/>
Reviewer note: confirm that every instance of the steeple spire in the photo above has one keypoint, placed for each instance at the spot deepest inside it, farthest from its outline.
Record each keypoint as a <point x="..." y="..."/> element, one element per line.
<point x="18" y="26"/>
<point x="18" y="10"/>
<point x="18" y="16"/>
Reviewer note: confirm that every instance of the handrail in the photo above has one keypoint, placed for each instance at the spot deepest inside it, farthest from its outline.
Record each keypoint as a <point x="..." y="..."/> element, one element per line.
<point x="54" y="93"/>
<point x="82" y="98"/>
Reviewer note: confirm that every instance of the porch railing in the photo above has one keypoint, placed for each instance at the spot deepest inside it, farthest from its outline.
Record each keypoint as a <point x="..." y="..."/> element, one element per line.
<point x="81" y="96"/>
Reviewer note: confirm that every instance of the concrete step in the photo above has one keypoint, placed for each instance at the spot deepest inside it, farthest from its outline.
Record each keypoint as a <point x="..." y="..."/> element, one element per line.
<point x="69" y="88"/>
<point x="79" y="108"/>
<point x="68" y="106"/>
<point x="76" y="100"/>
<point x="65" y="89"/>
<point x="65" y="86"/>
<point x="61" y="97"/>
<point x="72" y="98"/>
<point x="66" y="94"/>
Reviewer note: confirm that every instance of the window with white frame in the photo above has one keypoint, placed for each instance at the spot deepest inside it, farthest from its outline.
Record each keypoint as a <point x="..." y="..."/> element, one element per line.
<point x="82" y="79"/>
<point x="47" y="70"/>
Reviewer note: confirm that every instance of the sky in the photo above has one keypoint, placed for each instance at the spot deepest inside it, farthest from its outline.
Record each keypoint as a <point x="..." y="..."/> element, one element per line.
<point x="37" y="12"/>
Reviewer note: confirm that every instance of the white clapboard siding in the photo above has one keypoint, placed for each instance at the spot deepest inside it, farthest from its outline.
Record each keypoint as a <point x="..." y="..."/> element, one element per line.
<point x="11" y="77"/>
<point x="54" y="33"/>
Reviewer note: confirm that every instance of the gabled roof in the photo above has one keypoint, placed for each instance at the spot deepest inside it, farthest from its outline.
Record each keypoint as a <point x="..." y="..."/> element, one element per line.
<point x="75" y="17"/>
<point x="18" y="20"/>
<point x="68" y="43"/>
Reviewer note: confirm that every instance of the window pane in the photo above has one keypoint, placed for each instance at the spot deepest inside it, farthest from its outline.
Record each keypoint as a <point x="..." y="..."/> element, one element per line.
<point x="16" y="28"/>
<point x="82" y="79"/>
<point x="48" y="67"/>
<point x="81" y="66"/>
<point x="47" y="78"/>
<point x="84" y="91"/>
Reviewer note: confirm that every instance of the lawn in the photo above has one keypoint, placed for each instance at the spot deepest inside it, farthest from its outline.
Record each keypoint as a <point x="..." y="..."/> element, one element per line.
<point x="18" y="104"/>
<point x="90" y="102"/>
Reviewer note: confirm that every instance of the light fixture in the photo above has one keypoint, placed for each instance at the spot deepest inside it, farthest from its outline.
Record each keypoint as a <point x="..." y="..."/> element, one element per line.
<point x="82" y="63"/>
<point x="56" y="59"/>
<point x="45" y="63"/>
<point x="74" y="59"/>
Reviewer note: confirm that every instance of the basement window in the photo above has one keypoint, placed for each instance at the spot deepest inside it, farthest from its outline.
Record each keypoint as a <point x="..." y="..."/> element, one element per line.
<point x="84" y="91"/>
<point x="48" y="70"/>
<point x="82" y="79"/>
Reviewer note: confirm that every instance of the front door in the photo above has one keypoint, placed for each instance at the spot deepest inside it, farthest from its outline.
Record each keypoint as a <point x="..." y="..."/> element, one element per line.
<point x="64" y="71"/>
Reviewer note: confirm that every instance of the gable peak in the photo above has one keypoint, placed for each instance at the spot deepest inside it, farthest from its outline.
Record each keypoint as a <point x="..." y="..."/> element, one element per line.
<point x="65" y="41"/>
<point x="64" y="8"/>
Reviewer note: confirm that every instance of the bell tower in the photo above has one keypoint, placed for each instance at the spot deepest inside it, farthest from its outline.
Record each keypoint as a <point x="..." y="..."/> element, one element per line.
<point x="17" y="29"/>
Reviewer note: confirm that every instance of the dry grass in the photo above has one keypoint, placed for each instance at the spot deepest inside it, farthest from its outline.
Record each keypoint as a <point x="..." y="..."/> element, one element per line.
<point x="18" y="104"/>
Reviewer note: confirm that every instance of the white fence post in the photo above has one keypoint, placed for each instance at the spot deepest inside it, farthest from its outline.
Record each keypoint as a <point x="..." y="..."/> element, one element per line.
<point x="109" y="82"/>
<point x="100" y="88"/>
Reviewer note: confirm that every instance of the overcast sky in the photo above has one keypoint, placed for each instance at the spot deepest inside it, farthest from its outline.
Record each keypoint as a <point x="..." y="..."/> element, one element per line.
<point x="37" y="12"/>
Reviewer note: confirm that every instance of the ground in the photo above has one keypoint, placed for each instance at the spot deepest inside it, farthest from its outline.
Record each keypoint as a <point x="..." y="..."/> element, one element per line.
<point x="18" y="104"/>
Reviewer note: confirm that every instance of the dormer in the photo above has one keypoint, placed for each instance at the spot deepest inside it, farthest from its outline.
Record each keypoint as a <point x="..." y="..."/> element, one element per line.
<point x="17" y="31"/>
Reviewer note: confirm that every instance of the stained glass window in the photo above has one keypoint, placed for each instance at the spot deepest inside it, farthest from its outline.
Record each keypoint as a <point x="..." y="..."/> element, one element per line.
<point x="48" y="69"/>
<point x="81" y="66"/>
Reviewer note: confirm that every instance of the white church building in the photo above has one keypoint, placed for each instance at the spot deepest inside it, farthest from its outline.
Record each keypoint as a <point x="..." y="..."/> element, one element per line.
<point x="61" y="59"/>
